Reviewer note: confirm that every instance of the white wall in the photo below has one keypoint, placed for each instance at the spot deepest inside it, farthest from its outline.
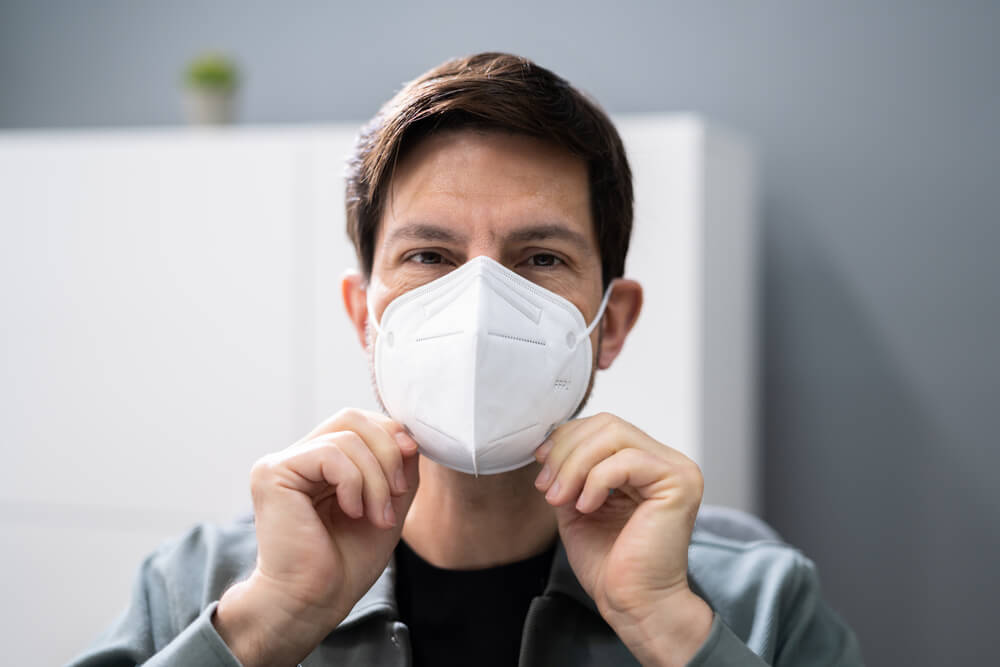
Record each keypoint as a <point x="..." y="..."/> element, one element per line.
<point x="172" y="312"/>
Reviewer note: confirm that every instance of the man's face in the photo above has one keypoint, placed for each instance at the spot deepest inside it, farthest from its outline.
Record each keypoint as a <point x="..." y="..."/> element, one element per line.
<point x="518" y="200"/>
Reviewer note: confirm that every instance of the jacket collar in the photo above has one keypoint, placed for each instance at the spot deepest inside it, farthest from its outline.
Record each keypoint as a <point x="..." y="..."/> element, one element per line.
<point x="379" y="599"/>
<point x="563" y="581"/>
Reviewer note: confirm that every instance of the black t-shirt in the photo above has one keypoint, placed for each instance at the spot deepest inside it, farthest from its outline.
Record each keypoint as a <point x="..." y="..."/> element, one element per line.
<point x="454" y="615"/>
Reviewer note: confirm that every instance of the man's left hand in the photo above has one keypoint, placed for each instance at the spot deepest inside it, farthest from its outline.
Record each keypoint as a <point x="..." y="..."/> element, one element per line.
<point x="626" y="506"/>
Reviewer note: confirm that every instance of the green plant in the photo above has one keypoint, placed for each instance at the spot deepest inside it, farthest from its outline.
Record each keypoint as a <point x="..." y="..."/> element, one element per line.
<point x="212" y="71"/>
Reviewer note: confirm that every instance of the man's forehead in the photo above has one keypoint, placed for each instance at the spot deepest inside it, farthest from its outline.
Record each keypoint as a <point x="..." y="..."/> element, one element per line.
<point x="449" y="161"/>
<point x="461" y="186"/>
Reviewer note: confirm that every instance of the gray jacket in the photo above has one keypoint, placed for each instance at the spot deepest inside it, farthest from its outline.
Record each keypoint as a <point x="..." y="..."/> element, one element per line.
<point x="765" y="595"/>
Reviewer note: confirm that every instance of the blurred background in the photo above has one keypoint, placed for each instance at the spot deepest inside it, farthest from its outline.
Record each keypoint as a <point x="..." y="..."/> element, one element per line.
<point x="877" y="150"/>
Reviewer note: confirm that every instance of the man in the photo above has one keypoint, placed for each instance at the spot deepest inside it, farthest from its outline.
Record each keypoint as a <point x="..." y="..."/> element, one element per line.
<point x="490" y="205"/>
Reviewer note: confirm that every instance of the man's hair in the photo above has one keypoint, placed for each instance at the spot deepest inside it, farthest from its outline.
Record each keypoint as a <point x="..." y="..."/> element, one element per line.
<point x="493" y="91"/>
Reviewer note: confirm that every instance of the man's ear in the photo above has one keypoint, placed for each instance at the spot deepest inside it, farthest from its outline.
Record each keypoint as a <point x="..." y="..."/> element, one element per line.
<point x="620" y="315"/>
<point x="352" y="289"/>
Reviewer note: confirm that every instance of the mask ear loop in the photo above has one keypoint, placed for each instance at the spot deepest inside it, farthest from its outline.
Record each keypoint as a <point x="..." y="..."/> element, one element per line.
<point x="371" y="311"/>
<point x="600" y="311"/>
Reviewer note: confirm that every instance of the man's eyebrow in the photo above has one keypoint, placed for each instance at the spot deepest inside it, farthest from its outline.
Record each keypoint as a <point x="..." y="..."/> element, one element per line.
<point x="549" y="231"/>
<point x="424" y="232"/>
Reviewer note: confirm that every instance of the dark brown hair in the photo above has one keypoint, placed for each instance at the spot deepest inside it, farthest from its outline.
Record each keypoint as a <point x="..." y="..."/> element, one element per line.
<point x="493" y="91"/>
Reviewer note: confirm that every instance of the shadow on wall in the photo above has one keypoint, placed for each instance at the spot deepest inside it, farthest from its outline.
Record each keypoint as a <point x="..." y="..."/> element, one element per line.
<point x="858" y="472"/>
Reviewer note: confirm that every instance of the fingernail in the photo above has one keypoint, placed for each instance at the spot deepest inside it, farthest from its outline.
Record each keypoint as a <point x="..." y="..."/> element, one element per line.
<point x="401" y="485"/>
<point x="543" y="451"/>
<point x="554" y="491"/>
<point x="358" y="509"/>
<point x="543" y="477"/>
<point x="405" y="441"/>
<point x="390" y="514"/>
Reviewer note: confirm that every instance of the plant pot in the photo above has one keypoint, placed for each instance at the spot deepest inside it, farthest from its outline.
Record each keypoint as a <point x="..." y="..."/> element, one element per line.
<point x="209" y="106"/>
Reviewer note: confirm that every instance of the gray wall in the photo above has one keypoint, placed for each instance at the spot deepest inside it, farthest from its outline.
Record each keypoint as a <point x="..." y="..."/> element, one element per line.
<point x="876" y="124"/>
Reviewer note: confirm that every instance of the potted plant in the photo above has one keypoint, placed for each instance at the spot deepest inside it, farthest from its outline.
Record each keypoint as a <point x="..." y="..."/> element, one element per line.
<point x="210" y="82"/>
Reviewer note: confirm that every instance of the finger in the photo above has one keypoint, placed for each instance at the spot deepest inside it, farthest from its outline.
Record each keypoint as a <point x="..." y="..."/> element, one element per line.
<point x="644" y="476"/>
<point x="343" y="419"/>
<point x="632" y="468"/>
<point x="564" y="431"/>
<point x="378" y="433"/>
<point x="568" y="475"/>
<point x="407" y="445"/>
<point x="375" y="487"/>
<point x="331" y="424"/>
<point x="567" y="431"/>
<point x="612" y="432"/>
<point x="311" y="469"/>
<point x="401" y="504"/>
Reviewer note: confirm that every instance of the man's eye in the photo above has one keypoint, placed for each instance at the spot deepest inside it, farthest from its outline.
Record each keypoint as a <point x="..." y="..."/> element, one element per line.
<point x="544" y="259"/>
<point x="426" y="257"/>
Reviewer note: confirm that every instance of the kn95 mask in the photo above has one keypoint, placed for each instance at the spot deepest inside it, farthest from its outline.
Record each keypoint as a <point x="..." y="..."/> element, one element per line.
<point x="481" y="365"/>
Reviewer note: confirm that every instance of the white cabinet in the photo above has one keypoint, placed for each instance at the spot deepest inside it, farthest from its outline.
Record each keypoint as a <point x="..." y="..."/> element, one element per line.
<point x="171" y="311"/>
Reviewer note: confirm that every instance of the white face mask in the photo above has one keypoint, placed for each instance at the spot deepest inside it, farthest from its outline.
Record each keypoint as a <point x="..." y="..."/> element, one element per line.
<point x="481" y="365"/>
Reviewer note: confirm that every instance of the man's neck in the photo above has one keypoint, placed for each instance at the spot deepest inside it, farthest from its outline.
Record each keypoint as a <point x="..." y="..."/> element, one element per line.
<point x="461" y="522"/>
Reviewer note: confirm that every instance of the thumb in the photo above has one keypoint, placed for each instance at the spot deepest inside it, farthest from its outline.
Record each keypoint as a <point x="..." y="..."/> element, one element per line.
<point x="411" y="470"/>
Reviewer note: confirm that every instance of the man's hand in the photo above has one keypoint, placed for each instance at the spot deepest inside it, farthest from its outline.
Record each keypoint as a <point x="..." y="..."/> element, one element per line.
<point x="328" y="513"/>
<point x="626" y="506"/>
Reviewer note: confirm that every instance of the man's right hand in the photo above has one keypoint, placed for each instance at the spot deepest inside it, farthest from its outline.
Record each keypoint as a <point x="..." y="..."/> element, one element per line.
<point x="328" y="511"/>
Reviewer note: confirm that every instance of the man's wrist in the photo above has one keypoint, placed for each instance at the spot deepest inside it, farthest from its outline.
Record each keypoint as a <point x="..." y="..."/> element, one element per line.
<point x="668" y="632"/>
<point x="262" y="627"/>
